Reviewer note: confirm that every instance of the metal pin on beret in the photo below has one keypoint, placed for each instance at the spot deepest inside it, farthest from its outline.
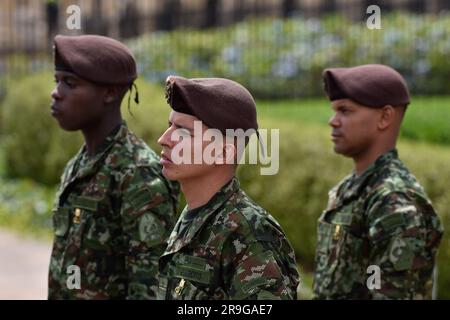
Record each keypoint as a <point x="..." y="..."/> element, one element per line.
<point x="97" y="59"/>
<point x="220" y="103"/>
<point x="371" y="85"/>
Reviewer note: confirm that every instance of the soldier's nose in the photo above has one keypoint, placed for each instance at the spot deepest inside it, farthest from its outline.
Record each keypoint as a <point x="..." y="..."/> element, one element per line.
<point x="55" y="94"/>
<point x="164" y="140"/>
<point x="333" y="122"/>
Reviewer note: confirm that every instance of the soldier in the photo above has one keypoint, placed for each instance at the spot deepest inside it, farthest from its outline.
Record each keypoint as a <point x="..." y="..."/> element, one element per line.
<point x="224" y="246"/>
<point x="379" y="216"/>
<point x="114" y="209"/>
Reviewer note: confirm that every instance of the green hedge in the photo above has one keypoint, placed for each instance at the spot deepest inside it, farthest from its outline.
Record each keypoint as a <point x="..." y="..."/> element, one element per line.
<point x="285" y="58"/>
<point x="34" y="145"/>
<point x="296" y="196"/>
<point x="25" y="206"/>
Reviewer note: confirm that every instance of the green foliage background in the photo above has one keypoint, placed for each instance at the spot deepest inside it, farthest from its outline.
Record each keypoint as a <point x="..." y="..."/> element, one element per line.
<point x="34" y="150"/>
<point x="277" y="58"/>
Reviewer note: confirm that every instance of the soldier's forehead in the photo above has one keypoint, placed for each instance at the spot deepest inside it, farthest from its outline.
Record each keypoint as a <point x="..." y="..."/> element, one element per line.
<point x="66" y="74"/>
<point x="344" y="102"/>
<point x="176" y="116"/>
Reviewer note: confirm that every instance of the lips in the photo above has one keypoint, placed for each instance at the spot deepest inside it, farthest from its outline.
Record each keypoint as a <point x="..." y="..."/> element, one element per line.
<point x="165" y="159"/>
<point x="54" y="110"/>
<point x="335" y="136"/>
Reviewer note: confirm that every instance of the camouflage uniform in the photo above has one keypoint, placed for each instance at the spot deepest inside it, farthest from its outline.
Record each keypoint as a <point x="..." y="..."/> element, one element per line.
<point x="112" y="216"/>
<point x="381" y="218"/>
<point x="229" y="248"/>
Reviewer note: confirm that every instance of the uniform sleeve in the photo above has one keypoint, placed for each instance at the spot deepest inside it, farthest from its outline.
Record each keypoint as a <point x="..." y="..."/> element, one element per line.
<point x="148" y="214"/>
<point x="254" y="270"/>
<point x="399" y="242"/>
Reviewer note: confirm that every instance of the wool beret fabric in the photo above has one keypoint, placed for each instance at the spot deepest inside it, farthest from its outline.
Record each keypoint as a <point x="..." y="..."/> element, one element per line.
<point x="371" y="85"/>
<point x="220" y="103"/>
<point x="97" y="59"/>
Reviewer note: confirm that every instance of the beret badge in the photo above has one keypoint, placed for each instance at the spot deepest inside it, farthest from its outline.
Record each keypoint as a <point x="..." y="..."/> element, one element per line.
<point x="169" y="90"/>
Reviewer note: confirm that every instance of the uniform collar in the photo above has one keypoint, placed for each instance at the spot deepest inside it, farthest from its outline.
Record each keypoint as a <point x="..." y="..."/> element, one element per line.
<point x="353" y="184"/>
<point x="381" y="161"/>
<point x="90" y="165"/>
<point x="203" y="213"/>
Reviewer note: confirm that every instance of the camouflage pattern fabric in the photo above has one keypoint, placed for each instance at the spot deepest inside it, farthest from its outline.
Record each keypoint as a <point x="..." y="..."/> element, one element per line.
<point x="229" y="248"/>
<point x="112" y="216"/>
<point x="381" y="218"/>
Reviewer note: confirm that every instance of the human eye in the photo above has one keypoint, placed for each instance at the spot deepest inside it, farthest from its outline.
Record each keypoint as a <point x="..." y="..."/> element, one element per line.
<point x="69" y="82"/>
<point x="344" y="110"/>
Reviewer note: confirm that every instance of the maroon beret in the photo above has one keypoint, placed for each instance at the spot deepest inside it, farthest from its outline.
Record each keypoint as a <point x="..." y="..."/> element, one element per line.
<point x="95" y="58"/>
<point x="371" y="85"/>
<point x="220" y="103"/>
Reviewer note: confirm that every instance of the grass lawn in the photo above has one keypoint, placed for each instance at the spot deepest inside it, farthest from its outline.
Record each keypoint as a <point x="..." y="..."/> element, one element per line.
<point x="427" y="118"/>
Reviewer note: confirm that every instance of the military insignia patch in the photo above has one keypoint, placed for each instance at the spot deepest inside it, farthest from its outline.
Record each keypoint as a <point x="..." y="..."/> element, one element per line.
<point x="401" y="254"/>
<point x="151" y="230"/>
<point x="169" y="90"/>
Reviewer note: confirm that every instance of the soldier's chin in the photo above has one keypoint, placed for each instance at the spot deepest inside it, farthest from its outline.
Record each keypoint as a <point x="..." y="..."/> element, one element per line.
<point x="168" y="174"/>
<point x="339" y="150"/>
<point x="66" y="126"/>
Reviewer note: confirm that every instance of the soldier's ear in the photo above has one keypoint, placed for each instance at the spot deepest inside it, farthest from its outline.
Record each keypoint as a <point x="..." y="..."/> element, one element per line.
<point x="387" y="117"/>
<point x="113" y="93"/>
<point x="110" y="94"/>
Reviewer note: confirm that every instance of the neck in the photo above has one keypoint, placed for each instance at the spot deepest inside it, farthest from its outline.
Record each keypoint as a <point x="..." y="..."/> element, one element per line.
<point x="96" y="134"/>
<point x="198" y="191"/>
<point x="363" y="161"/>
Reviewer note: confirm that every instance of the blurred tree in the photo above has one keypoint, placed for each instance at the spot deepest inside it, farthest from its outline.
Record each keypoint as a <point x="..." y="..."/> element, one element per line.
<point x="128" y="23"/>
<point x="169" y="16"/>
<point x="287" y="8"/>
<point x="239" y="11"/>
<point x="95" y="24"/>
<point x="327" y="6"/>
<point x="418" y="6"/>
<point x="52" y="19"/>
<point x="445" y="5"/>
<point x="212" y="8"/>
<point x="385" y="5"/>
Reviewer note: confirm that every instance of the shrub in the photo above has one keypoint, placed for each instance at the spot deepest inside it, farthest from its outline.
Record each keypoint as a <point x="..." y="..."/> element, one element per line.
<point x="285" y="58"/>
<point x="34" y="145"/>
<point x="25" y="206"/>
<point x="298" y="194"/>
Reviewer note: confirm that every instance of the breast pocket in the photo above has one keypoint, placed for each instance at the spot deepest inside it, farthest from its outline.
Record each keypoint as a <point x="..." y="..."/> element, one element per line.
<point x="87" y="234"/>
<point x="60" y="226"/>
<point x="184" y="289"/>
<point x="69" y="224"/>
<point x="61" y="221"/>
<point x="329" y="246"/>
<point x="79" y="220"/>
<point x="191" y="278"/>
<point x="339" y="258"/>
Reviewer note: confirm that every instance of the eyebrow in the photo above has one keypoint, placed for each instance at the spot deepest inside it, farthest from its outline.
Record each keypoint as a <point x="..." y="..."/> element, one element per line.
<point x="180" y="126"/>
<point x="340" y="106"/>
<point x="67" y="76"/>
